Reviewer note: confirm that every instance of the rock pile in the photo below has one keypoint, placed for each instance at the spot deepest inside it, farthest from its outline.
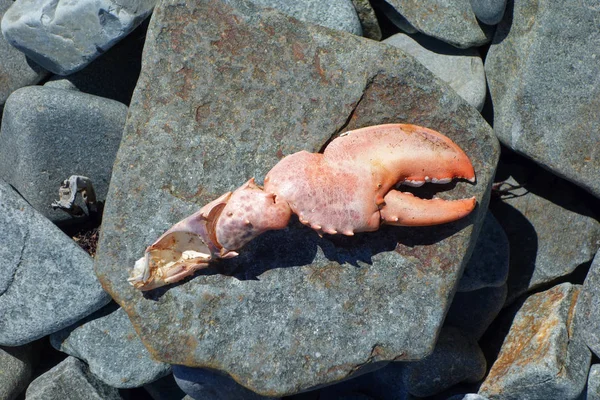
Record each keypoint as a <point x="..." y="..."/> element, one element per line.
<point x="499" y="305"/>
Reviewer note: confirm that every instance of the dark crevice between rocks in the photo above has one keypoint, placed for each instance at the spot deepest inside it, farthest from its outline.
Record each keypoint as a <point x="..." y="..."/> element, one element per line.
<point x="342" y="128"/>
<point x="87" y="232"/>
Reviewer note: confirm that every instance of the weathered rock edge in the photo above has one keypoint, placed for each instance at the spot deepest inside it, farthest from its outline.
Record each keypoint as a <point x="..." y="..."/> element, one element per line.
<point x="243" y="87"/>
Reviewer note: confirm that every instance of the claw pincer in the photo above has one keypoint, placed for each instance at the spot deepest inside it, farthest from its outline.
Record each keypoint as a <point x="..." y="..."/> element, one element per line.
<point x="349" y="188"/>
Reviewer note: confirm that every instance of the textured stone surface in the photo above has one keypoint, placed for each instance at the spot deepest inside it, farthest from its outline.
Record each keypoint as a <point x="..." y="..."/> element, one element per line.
<point x="451" y="21"/>
<point x="588" y="307"/>
<point x="543" y="248"/>
<point x="109" y="345"/>
<point x="461" y="69"/>
<point x="368" y="19"/>
<point x="46" y="280"/>
<point x="488" y="266"/>
<point x="473" y="312"/>
<point x="15" y="370"/>
<point x="333" y="14"/>
<point x="593" y="383"/>
<point x="489" y="12"/>
<point x="200" y="383"/>
<point x="114" y="75"/>
<point x="213" y="109"/>
<point x="15" y="70"/>
<point x="70" y="380"/>
<point x="50" y="134"/>
<point x="542" y="357"/>
<point x="456" y="358"/>
<point x="544" y="77"/>
<point x="63" y="37"/>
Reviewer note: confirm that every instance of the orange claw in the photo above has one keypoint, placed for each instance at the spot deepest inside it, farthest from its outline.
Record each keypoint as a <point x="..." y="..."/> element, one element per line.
<point x="347" y="189"/>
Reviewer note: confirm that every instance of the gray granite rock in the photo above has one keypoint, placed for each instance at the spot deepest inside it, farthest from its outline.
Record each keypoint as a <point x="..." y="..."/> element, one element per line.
<point x="333" y="14"/>
<point x="544" y="76"/>
<point x="542" y="357"/>
<point x="593" y="383"/>
<point x="165" y="389"/>
<point x="46" y="280"/>
<point x="461" y="69"/>
<point x="111" y="348"/>
<point x="200" y="383"/>
<point x="543" y="248"/>
<point x="113" y="75"/>
<point x="15" y="69"/>
<point x="489" y="12"/>
<point x="368" y="19"/>
<point x="63" y="37"/>
<point x="473" y="312"/>
<point x="296" y="311"/>
<point x="456" y="358"/>
<point x="451" y="21"/>
<point x="49" y="134"/>
<point x="488" y="266"/>
<point x="70" y="380"/>
<point x="588" y="307"/>
<point x="15" y="370"/>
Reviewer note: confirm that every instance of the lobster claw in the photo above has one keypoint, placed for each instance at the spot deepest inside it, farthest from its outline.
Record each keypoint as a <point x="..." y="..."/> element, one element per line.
<point x="188" y="246"/>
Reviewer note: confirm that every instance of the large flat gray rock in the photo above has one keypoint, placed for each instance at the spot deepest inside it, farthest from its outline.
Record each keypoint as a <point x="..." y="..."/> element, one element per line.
<point x="112" y="350"/>
<point x="63" y="36"/>
<point x="542" y="356"/>
<point x="451" y="21"/>
<point x="46" y="279"/>
<point x="70" y="380"/>
<point x="543" y="75"/>
<point x="15" y="69"/>
<point x="296" y="311"/>
<point x="49" y="134"/>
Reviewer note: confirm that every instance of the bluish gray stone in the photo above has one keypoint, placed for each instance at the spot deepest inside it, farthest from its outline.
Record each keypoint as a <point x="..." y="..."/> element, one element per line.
<point x="70" y="380"/>
<point x="46" y="279"/>
<point x="461" y="69"/>
<point x="50" y="134"/>
<point x="15" y="370"/>
<point x="488" y="265"/>
<point x="64" y="37"/>
<point x="114" y="75"/>
<point x="588" y="307"/>
<point x="451" y="21"/>
<point x="545" y="212"/>
<point x="489" y="12"/>
<point x="15" y="69"/>
<point x="542" y="356"/>
<point x="297" y="311"/>
<point x="165" y="389"/>
<point x="456" y="358"/>
<point x="112" y="350"/>
<point x="544" y="79"/>
<point x="593" y="383"/>
<point x="333" y="14"/>
<point x="473" y="312"/>
<point x="200" y="383"/>
<point x="469" y="396"/>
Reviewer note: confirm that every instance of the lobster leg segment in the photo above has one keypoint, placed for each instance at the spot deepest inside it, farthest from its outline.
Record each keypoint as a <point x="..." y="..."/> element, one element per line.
<point x="404" y="209"/>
